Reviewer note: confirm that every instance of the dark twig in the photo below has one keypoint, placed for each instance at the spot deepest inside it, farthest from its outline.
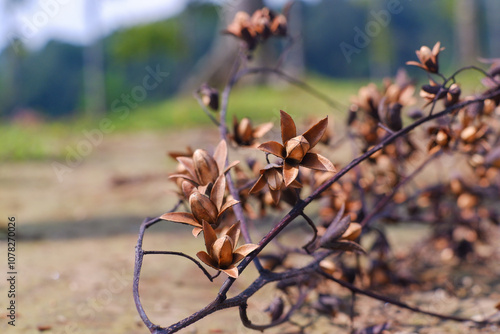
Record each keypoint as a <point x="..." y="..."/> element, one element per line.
<point x="284" y="318"/>
<point x="183" y="255"/>
<point x="238" y="208"/>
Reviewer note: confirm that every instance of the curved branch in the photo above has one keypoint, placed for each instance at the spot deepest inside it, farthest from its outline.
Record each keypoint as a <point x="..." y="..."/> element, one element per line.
<point x="284" y="318"/>
<point x="210" y="277"/>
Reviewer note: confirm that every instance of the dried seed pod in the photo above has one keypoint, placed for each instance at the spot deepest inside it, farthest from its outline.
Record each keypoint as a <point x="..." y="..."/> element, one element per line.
<point x="296" y="148"/>
<point x="245" y="130"/>
<point x="453" y="95"/>
<point x="203" y="208"/>
<point x="393" y="119"/>
<point x="428" y="58"/>
<point x="275" y="309"/>
<point x="468" y="134"/>
<point x="466" y="201"/>
<point x="209" y="96"/>
<point x="205" y="167"/>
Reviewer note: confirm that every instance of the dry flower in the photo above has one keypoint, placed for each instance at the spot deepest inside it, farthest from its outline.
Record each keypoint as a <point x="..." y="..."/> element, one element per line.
<point x="222" y="253"/>
<point x="272" y="175"/>
<point x="257" y="28"/>
<point x="428" y="59"/>
<point x="295" y="149"/>
<point x="202" y="168"/>
<point x="245" y="135"/>
<point x="204" y="208"/>
<point x="209" y="96"/>
<point x="241" y="27"/>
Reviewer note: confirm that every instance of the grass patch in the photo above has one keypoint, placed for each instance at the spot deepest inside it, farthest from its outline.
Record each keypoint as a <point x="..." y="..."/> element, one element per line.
<point x="260" y="103"/>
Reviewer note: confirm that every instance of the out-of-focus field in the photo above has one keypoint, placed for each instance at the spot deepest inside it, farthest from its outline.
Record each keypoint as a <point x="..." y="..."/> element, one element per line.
<point x="76" y="234"/>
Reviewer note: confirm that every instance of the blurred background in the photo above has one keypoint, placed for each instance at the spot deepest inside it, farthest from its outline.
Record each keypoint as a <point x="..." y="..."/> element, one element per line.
<point x="93" y="93"/>
<point x="62" y="58"/>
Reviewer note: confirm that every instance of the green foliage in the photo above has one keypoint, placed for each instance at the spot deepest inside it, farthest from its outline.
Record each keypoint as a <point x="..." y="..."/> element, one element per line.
<point x="140" y="42"/>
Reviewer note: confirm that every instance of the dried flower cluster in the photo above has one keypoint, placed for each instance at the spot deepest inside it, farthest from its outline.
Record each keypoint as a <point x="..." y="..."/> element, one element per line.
<point x="257" y="28"/>
<point x="203" y="185"/>
<point x="388" y="183"/>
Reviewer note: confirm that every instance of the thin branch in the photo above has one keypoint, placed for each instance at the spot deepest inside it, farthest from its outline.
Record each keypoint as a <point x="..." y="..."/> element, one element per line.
<point x="284" y="318"/>
<point x="296" y="82"/>
<point x="187" y="257"/>
<point x="238" y="208"/>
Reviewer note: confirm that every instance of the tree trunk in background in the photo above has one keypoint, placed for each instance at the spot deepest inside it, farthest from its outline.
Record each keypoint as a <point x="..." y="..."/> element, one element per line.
<point x="466" y="31"/>
<point x="94" y="84"/>
<point x="492" y="9"/>
<point x="380" y="50"/>
<point x="214" y="67"/>
<point x="294" y="63"/>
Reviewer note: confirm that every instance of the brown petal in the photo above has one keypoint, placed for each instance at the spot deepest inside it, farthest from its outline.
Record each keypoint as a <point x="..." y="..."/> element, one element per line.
<point x="220" y="155"/>
<point x="229" y="203"/>
<point x="245" y="131"/>
<point x="262" y="129"/>
<point x="259" y="185"/>
<point x="231" y="271"/>
<point x="276" y="195"/>
<point x="209" y="236"/>
<point x="346" y="245"/>
<point x="183" y="176"/>
<point x="314" y="134"/>
<point x="218" y="190"/>
<point x="352" y="232"/>
<point x="288" y="130"/>
<point x="231" y="165"/>
<point x="274" y="179"/>
<point x="273" y="147"/>
<point x="241" y="252"/>
<point x="223" y="251"/>
<point x="196" y="231"/>
<point x="317" y="162"/>
<point x="181" y="217"/>
<point x="189" y="164"/>
<point x="290" y="172"/>
<point x="415" y="63"/>
<point x="295" y="184"/>
<point x="335" y="230"/>
<point x="187" y="188"/>
<point x="437" y="48"/>
<point x="205" y="258"/>
<point x="234" y="233"/>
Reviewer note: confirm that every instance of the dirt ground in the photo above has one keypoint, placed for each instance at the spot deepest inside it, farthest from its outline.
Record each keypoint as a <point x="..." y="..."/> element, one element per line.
<point x="75" y="254"/>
